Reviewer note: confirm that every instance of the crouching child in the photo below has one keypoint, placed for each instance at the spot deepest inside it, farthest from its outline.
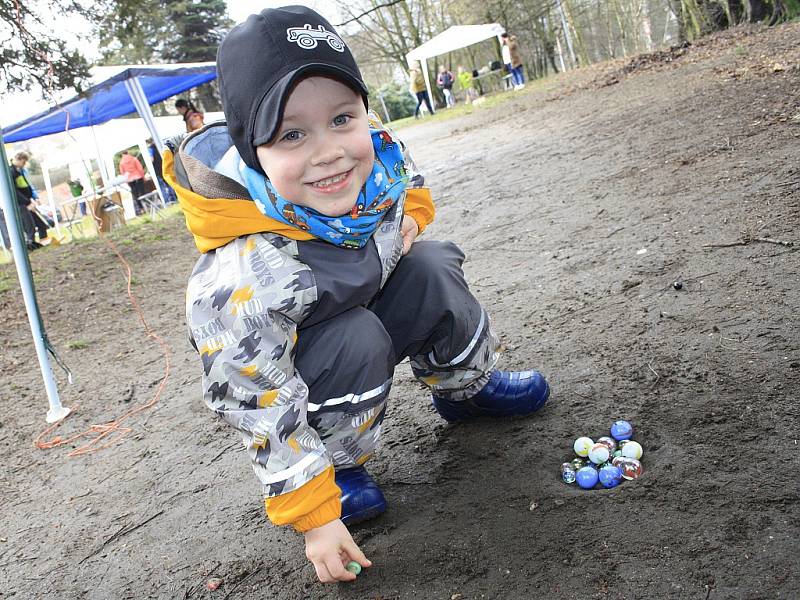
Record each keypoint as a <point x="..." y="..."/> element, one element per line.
<point x="311" y="285"/>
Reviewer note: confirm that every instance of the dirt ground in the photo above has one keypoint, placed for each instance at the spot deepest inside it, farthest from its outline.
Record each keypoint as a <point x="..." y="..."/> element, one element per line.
<point x="555" y="196"/>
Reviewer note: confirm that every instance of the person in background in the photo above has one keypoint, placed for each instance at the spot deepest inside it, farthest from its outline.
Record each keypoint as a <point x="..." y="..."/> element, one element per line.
<point x="27" y="199"/>
<point x="167" y="192"/>
<point x="506" y="52"/>
<point x="465" y="81"/>
<point x="445" y="82"/>
<point x="76" y="189"/>
<point x="513" y="60"/>
<point x="130" y="166"/>
<point x="417" y="88"/>
<point x="191" y="116"/>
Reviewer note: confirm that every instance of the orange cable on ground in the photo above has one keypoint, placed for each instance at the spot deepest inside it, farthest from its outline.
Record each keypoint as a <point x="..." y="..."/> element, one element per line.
<point x="100" y="432"/>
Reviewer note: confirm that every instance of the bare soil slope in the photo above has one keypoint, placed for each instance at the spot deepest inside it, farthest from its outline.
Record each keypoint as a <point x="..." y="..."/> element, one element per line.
<point x="553" y="196"/>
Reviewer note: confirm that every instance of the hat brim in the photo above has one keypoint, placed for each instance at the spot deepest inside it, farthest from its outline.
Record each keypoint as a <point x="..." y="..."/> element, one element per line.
<point x="270" y="111"/>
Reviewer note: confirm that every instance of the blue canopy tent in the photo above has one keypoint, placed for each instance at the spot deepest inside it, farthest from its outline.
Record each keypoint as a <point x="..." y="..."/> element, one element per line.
<point x="116" y="92"/>
<point x="130" y="89"/>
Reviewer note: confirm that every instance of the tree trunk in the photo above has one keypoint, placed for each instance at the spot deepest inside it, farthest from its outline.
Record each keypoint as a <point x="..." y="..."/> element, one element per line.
<point x="646" y="26"/>
<point x="548" y="39"/>
<point x="693" y="23"/>
<point x="581" y="47"/>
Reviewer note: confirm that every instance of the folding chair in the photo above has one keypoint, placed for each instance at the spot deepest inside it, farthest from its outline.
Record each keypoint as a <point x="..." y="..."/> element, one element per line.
<point x="152" y="201"/>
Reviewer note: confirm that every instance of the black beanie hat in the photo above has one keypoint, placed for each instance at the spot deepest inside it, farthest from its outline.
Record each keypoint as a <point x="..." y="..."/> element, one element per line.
<point x="260" y="60"/>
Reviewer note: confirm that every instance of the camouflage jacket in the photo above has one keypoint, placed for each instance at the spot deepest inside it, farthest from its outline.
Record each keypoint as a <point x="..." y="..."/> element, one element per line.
<point x="244" y="304"/>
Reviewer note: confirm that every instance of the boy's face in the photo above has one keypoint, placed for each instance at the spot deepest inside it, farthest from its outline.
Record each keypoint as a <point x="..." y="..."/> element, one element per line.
<point x="322" y="154"/>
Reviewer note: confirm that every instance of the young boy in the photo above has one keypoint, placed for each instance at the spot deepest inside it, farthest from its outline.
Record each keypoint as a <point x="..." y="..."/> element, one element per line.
<point x="311" y="289"/>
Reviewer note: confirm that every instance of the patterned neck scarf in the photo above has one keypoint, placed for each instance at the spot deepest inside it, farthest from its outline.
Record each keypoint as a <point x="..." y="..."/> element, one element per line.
<point x="383" y="188"/>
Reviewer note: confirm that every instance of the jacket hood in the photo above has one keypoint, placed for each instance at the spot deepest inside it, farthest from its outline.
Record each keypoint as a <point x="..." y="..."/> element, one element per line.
<point x="217" y="208"/>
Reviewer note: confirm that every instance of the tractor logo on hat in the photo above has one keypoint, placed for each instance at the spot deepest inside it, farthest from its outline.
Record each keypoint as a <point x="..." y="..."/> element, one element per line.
<point x="307" y="38"/>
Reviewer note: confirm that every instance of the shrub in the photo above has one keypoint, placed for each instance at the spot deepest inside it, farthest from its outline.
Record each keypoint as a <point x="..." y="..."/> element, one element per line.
<point x="396" y="97"/>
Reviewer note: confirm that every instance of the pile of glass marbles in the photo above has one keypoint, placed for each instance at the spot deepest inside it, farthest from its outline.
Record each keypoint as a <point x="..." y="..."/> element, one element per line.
<point x="609" y="460"/>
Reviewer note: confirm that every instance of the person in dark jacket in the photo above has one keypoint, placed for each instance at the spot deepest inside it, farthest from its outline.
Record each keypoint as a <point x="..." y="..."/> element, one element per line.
<point x="155" y="156"/>
<point x="445" y="81"/>
<point x="27" y="199"/>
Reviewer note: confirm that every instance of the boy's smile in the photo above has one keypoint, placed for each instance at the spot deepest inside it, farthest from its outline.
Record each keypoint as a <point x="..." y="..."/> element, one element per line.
<point x="322" y="153"/>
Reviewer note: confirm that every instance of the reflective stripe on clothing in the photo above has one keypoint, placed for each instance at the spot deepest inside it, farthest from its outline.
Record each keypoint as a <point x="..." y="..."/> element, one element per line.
<point x="352" y="398"/>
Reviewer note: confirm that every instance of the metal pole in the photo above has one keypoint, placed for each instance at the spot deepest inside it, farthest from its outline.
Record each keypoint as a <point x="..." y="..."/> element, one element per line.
<point x="385" y="110"/>
<point x="9" y="204"/>
<point x="51" y="198"/>
<point x="144" y="149"/>
<point x="424" y="65"/>
<point x="139" y="98"/>
<point x="101" y="163"/>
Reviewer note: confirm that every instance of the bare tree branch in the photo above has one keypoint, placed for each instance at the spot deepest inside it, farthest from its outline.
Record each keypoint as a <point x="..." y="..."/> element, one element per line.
<point x="365" y="13"/>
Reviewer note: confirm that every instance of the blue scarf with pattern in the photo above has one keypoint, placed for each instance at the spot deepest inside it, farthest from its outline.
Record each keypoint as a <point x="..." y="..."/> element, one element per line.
<point x="383" y="188"/>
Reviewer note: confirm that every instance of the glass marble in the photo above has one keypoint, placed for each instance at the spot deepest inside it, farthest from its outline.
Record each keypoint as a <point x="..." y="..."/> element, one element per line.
<point x="621" y="430"/>
<point x="631" y="468"/>
<point x="582" y="446"/>
<point x="610" y="476"/>
<point x="587" y="477"/>
<point x="354" y="567"/>
<point x="608" y="443"/>
<point x="632" y="450"/>
<point x="599" y="454"/>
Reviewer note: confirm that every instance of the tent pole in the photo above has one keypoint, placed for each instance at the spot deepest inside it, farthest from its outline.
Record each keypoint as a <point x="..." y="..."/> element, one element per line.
<point x="100" y="162"/>
<point x="48" y="185"/>
<point x="145" y="151"/>
<point x="139" y="99"/>
<point x="385" y="110"/>
<point x="424" y="65"/>
<point x="8" y="201"/>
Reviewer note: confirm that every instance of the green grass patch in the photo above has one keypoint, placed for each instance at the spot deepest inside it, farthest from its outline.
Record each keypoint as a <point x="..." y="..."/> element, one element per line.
<point x="141" y="229"/>
<point x="462" y="109"/>
<point x="77" y="344"/>
<point x="6" y="282"/>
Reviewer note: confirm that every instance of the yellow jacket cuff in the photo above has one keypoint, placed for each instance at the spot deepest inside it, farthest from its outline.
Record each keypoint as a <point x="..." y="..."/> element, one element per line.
<point x="308" y="507"/>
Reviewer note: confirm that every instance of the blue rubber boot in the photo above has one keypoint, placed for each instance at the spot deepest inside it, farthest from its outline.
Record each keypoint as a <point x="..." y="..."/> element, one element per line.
<point x="362" y="499"/>
<point x="507" y="394"/>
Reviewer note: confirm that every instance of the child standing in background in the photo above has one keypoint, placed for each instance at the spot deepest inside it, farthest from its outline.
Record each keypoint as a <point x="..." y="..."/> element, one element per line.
<point x="445" y="81"/>
<point x="465" y="81"/>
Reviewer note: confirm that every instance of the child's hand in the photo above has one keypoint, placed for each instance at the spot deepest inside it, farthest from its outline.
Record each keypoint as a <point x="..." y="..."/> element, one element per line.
<point x="330" y="548"/>
<point x="409" y="230"/>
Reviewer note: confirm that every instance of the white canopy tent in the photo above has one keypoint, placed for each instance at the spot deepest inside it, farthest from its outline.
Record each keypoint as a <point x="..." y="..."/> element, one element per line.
<point x="455" y="38"/>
